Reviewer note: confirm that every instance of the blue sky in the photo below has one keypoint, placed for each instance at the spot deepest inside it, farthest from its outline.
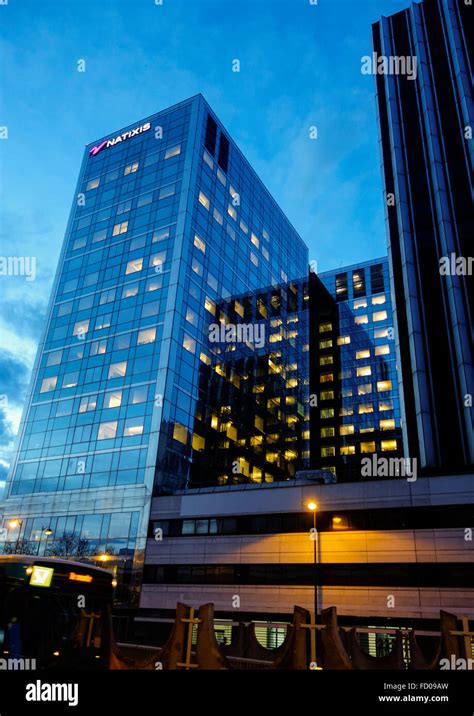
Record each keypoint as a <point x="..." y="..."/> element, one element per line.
<point x="300" y="67"/>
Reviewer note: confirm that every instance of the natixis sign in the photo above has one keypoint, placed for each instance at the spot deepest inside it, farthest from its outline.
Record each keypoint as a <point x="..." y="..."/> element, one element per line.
<point x="119" y="138"/>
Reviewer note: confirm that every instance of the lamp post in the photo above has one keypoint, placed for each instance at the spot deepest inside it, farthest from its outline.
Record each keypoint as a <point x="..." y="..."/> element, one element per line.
<point x="45" y="531"/>
<point x="13" y="524"/>
<point x="312" y="506"/>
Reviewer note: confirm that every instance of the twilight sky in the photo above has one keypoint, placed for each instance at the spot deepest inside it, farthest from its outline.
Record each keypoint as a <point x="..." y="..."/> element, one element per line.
<point x="300" y="67"/>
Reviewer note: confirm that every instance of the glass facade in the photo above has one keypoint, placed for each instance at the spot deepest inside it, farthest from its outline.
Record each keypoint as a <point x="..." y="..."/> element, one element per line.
<point x="252" y="419"/>
<point x="356" y="406"/>
<point x="427" y="166"/>
<point x="168" y="218"/>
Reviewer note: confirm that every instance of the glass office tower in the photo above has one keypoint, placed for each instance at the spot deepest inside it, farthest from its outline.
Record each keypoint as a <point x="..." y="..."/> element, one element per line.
<point x="168" y="218"/>
<point x="354" y="373"/>
<point x="427" y="150"/>
<point x="252" y="418"/>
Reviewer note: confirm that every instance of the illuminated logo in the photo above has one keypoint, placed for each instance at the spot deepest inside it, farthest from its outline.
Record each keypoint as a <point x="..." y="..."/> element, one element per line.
<point x="119" y="138"/>
<point x="41" y="576"/>
<point x="80" y="577"/>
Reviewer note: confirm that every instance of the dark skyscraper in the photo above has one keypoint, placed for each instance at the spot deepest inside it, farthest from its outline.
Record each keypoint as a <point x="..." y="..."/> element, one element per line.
<point x="426" y="123"/>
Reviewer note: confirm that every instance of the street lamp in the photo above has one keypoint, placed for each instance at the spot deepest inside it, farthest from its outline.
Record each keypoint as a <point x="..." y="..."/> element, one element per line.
<point x="312" y="506"/>
<point x="16" y="524"/>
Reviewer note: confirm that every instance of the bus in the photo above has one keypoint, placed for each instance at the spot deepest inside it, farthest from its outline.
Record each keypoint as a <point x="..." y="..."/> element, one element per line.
<point x="54" y="613"/>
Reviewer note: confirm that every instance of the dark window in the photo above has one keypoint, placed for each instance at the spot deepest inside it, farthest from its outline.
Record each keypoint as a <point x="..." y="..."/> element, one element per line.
<point x="223" y="158"/>
<point x="211" y="135"/>
<point x="341" y="286"/>
<point x="376" y="278"/>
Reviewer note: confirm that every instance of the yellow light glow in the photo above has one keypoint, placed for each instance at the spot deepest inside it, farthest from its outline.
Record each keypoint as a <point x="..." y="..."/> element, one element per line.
<point x="14" y="524"/>
<point x="114" y="582"/>
<point x="336" y="520"/>
<point x="80" y="577"/>
<point x="103" y="557"/>
<point x="312" y="505"/>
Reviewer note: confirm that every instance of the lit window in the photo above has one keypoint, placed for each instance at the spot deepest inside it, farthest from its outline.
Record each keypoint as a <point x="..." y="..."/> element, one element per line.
<point x="153" y="284"/>
<point x="366" y="430"/>
<point x="173" y="151"/>
<point x="88" y="402"/>
<point x="191" y="316"/>
<point x="366" y="408"/>
<point x="148" y="335"/>
<point x="244" y="227"/>
<point x="325" y="360"/>
<point x="254" y="240"/>
<point x="379" y="316"/>
<point x="347" y="450"/>
<point x="382" y="350"/>
<point x="230" y="231"/>
<point x="327" y="432"/>
<point x="134" y="266"/>
<point x="113" y="399"/>
<point x="343" y="340"/>
<point x="367" y="447"/>
<point x="107" y="430"/>
<point x="346" y="430"/>
<point x="157" y="260"/>
<point x="326" y="413"/>
<point x="93" y="184"/>
<point x="209" y="305"/>
<point x="387" y="425"/>
<point x="378" y="300"/>
<point x="198" y="442"/>
<point x="325" y="344"/>
<point x="360" y="320"/>
<point x="362" y="354"/>
<point x="253" y="258"/>
<point x="326" y="378"/>
<point x="385" y="405"/>
<point x="48" y="384"/>
<point x="265" y="234"/>
<point x="386" y="445"/>
<point x="327" y="395"/>
<point x="189" y="343"/>
<point x="361" y="303"/>
<point x="324" y="327"/>
<point x="130" y="290"/>
<point x="232" y="212"/>
<point x="130" y="168"/>
<point x="221" y="176"/>
<point x="384" y="385"/>
<point x="150" y="309"/>
<point x="364" y="389"/>
<point x="381" y="333"/>
<point x="98" y="348"/>
<point x="363" y="371"/>
<point x="204" y="200"/>
<point x="208" y="159"/>
<point x="218" y="216"/>
<point x="80" y="328"/>
<point x="265" y="253"/>
<point x="120" y="228"/>
<point x="180" y="433"/>
<point x="132" y="427"/>
<point x="117" y="370"/>
<point x="343" y="412"/>
<point x="328" y="451"/>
